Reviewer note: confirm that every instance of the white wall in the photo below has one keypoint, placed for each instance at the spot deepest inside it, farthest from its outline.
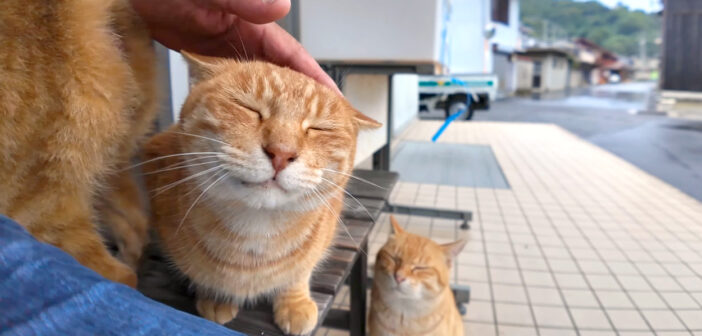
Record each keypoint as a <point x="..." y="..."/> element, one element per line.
<point x="179" y="81"/>
<point x="555" y="73"/>
<point x="467" y="45"/>
<point x="507" y="36"/>
<point x="405" y="101"/>
<point x="525" y="74"/>
<point x="470" y="52"/>
<point x="369" y="94"/>
<point x="369" y="30"/>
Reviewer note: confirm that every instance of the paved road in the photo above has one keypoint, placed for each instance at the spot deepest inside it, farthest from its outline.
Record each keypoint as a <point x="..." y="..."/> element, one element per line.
<point x="609" y="116"/>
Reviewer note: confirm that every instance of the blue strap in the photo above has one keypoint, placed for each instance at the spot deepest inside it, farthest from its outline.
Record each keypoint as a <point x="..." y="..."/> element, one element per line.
<point x="448" y="121"/>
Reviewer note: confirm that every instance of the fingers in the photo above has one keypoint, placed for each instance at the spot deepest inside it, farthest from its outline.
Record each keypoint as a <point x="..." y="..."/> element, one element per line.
<point x="255" y="11"/>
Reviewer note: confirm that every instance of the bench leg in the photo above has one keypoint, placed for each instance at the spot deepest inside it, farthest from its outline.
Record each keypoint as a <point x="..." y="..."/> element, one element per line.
<point x="358" y="286"/>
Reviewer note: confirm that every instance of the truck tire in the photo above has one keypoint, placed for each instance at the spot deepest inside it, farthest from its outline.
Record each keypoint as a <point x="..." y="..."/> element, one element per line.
<point x="457" y="102"/>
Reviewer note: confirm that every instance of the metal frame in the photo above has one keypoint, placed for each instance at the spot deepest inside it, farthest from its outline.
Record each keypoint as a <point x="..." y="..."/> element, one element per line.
<point x="463" y="216"/>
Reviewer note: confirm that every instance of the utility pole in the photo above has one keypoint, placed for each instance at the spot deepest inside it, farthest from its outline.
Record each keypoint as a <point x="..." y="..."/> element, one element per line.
<point x="544" y="32"/>
<point x="643" y="53"/>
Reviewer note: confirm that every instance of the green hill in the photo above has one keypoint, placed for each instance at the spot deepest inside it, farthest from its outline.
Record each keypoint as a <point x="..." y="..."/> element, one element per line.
<point x="618" y="29"/>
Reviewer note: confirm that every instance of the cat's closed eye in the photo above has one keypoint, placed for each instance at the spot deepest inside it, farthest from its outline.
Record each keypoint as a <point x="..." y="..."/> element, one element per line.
<point x="255" y="113"/>
<point x="320" y="129"/>
<point x="420" y="268"/>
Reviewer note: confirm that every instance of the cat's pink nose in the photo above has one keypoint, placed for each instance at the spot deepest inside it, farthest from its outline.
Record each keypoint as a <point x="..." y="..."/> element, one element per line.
<point x="399" y="278"/>
<point x="280" y="156"/>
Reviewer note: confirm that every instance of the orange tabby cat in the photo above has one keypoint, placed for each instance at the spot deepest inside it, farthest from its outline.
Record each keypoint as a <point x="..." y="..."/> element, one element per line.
<point x="247" y="186"/>
<point x="76" y="94"/>
<point x="411" y="293"/>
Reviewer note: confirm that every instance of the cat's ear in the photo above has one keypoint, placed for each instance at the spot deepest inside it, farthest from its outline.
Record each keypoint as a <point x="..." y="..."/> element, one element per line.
<point x="396" y="227"/>
<point x="200" y="67"/>
<point x="451" y="250"/>
<point x="364" y="122"/>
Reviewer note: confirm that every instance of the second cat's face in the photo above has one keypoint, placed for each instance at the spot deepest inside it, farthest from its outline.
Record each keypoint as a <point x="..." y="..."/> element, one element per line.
<point x="412" y="267"/>
<point x="278" y="139"/>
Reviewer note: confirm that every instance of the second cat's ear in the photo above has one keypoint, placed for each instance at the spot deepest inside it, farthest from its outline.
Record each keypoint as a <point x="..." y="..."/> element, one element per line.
<point x="365" y="122"/>
<point x="453" y="249"/>
<point x="396" y="227"/>
<point x="200" y="67"/>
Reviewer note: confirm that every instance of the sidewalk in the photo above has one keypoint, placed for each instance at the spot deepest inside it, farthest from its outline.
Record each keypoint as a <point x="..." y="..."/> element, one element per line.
<point x="583" y="243"/>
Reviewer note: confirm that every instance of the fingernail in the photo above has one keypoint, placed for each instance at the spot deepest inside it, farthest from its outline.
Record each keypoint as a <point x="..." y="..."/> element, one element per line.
<point x="268" y="1"/>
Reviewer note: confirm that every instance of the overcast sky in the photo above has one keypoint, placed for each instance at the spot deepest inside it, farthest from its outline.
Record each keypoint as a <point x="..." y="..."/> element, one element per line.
<point x="646" y="5"/>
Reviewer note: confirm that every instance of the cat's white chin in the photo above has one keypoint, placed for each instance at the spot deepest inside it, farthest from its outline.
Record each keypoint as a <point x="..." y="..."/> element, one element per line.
<point x="269" y="195"/>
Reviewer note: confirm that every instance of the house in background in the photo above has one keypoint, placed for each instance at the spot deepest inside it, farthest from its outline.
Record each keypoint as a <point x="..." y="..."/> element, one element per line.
<point x="544" y="70"/>
<point x="681" y="70"/>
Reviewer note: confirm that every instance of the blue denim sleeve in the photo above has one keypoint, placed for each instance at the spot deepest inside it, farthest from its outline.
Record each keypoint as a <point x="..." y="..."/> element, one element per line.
<point x="44" y="291"/>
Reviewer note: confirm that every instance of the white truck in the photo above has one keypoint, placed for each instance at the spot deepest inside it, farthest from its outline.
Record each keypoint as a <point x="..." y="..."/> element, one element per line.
<point x="453" y="93"/>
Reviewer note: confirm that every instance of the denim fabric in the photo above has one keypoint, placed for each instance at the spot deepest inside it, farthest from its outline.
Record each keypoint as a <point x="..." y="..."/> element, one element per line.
<point x="44" y="291"/>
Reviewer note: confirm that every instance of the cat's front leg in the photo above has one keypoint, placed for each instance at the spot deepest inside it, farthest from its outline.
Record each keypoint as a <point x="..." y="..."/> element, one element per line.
<point x="295" y="311"/>
<point x="216" y="311"/>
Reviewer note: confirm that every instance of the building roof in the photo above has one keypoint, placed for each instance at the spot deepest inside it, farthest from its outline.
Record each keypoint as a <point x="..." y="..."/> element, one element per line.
<point x="547" y="50"/>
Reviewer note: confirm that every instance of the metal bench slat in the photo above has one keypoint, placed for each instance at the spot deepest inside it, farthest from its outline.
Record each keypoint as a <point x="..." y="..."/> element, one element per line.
<point x="384" y="179"/>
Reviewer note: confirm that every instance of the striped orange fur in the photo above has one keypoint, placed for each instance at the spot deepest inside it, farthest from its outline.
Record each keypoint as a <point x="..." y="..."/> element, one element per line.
<point x="411" y="293"/>
<point x="77" y="92"/>
<point x="253" y="213"/>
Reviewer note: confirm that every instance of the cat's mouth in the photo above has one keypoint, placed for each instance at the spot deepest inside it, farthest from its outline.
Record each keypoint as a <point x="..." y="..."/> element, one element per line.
<point x="267" y="184"/>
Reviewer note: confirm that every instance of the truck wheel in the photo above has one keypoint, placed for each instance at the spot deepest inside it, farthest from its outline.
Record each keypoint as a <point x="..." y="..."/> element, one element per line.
<point x="470" y="111"/>
<point x="458" y="102"/>
<point x="456" y="106"/>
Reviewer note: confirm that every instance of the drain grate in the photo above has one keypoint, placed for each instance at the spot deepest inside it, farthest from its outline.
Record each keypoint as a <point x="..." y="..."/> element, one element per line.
<point x="448" y="164"/>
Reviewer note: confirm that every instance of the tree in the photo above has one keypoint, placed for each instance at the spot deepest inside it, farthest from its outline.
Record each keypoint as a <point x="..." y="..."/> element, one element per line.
<point x="619" y="28"/>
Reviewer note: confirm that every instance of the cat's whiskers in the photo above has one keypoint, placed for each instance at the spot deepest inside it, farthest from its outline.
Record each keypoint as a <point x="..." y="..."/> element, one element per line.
<point x="181" y="167"/>
<point x="354" y="198"/>
<point x="170" y="156"/>
<point x="243" y="46"/>
<point x="236" y="50"/>
<point x="208" y="179"/>
<point x="353" y="177"/>
<point x="338" y="218"/>
<point x="198" y="199"/>
<point x="165" y="188"/>
<point x="190" y="160"/>
<point x="199" y="136"/>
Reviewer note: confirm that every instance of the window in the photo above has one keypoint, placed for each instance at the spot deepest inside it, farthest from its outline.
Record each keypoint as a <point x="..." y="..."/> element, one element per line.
<point x="500" y="11"/>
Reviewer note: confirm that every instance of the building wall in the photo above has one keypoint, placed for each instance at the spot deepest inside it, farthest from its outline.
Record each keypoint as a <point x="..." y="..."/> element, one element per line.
<point x="507" y="37"/>
<point x="577" y="79"/>
<point x="682" y="45"/>
<point x="525" y="74"/>
<point x="556" y="73"/>
<point x="469" y="51"/>
<point x="504" y="68"/>
<point x="397" y="30"/>
<point x="405" y="102"/>
<point x="178" y="71"/>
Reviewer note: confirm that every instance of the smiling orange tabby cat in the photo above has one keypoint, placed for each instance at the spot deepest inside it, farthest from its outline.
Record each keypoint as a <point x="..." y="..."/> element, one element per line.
<point x="411" y="293"/>
<point x="246" y="187"/>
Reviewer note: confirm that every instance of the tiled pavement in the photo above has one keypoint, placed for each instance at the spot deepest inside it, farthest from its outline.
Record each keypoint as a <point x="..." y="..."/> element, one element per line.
<point x="582" y="244"/>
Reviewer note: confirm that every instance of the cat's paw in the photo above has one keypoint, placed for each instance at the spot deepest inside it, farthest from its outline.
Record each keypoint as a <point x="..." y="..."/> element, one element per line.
<point x="297" y="317"/>
<point x="219" y="312"/>
<point x="119" y="272"/>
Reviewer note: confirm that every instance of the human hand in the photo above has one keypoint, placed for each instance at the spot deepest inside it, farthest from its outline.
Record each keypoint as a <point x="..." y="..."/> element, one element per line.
<point x="241" y="29"/>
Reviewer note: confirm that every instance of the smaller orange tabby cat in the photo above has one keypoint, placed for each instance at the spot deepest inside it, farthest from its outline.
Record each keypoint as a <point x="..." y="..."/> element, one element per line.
<point x="411" y="293"/>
